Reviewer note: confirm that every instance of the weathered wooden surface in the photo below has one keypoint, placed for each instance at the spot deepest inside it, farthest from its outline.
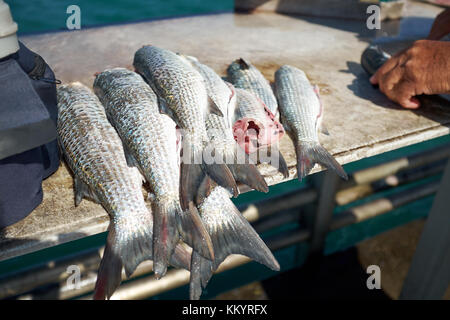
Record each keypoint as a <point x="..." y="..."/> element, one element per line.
<point x="361" y="121"/>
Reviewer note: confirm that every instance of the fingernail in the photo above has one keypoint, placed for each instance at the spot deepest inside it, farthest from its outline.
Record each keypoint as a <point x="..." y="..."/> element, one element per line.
<point x="372" y="79"/>
<point x="412" y="103"/>
<point x="415" y="102"/>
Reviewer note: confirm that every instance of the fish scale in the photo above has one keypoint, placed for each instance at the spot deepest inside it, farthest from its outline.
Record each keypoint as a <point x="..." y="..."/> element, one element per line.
<point x="231" y="233"/>
<point x="294" y="88"/>
<point x="182" y="94"/>
<point x="301" y="114"/>
<point x="132" y="108"/>
<point x="244" y="75"/>
<point x="249" y="106"/>
<point x="184" y="91"/>
<point x="220" y="132"/>
<point x="217" y="89"/>
<point x="257" y="131"/>
<point x="94" y="153"/>
<point x="95" y="139"/>
<point x="150" y="140"/>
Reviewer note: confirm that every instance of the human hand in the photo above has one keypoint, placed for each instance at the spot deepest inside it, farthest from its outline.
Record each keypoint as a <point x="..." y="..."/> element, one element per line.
<point x="423" y="68"/>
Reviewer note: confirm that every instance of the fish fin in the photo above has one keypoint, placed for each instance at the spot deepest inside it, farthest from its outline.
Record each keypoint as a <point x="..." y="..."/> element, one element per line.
<point x="165" y="234"/>
<point x="201" y="273"/>
<point x="324" y="129"/>
<point x="230" y="233"/>
<point x="214" y="108"/>
<point x="163" y="108"/>
<point x="181" y="258"/>
<point x="126" y="248"/>
<point x="221" y="174"/>
<point x="271" y="154"/>
<point x="132" y="163"/>
<point x="82" y="190"/>
<point x="309" y="153"/>
<point x="109" y="275"/>
<point x="244" y="64"/>
<point x="79" y="191"/>
<point x="162" y="104"/>
<point x="131" y="160"/>
<point x="204" y="190"/>
<point x="246" y="172"/>
<point x="194" y="232"/>
<point x="191" y="176"/>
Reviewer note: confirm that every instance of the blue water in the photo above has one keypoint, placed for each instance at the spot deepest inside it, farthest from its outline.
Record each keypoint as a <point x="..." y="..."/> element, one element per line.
<point x="49" y="15"/>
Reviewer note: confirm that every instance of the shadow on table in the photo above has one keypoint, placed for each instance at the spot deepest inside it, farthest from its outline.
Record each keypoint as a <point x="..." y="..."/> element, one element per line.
<point x="433" y="107"/>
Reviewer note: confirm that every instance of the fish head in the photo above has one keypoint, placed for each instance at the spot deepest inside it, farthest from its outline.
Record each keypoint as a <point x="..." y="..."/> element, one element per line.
<point x="104" y="79"/>
<point x="251" y="134"/>
<point x="274" y="129"/>
<point x="246" y="132"/>
<point x="238" y="68"/>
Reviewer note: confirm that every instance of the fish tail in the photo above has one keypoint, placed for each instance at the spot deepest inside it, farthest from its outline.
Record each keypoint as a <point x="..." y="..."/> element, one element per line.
<point x="201" y="272"/>
<point x="244" y="171"/>
<point x="193" y="171"/>
<point x="191" y="176"/>
<point x="181" y="258"/>
<point x="126" y="248"/>
<point x="165" y="234"/>
<point x="221" y="174"/>
<point x="194" y="232"/>
<point x="230" y="233"/>
<point x="309" y="153"/>
<point x="272" y="155"/>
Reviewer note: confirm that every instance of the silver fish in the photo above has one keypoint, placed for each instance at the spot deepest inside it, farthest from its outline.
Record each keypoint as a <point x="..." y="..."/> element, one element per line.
<point x="231" y="234"/>
<point x="301" y="113"/>
<point x="220" y="131"/>
<point x="150" y="138"/>
<point x="242" y="74"/>
<point x="182" y="94"/>
<point x="257" y="131"/>
<point x="94" y="153"/>
<point x="218" y="90"/>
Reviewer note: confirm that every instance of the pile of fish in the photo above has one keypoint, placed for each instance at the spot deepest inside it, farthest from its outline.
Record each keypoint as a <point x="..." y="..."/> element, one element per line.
<point x="191" y="136"/>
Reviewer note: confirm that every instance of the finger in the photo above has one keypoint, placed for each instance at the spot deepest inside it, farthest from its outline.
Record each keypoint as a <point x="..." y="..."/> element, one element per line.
<point x="391" y="78"/>
<point x="400" y="53"/>
<point x="411" y="103"/>
<point x="386" y="67"/>
<point x="403" y="93"/>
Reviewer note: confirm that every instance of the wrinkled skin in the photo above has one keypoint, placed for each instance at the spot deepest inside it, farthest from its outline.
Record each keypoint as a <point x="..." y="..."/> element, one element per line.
<point x="424" y="68"/>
